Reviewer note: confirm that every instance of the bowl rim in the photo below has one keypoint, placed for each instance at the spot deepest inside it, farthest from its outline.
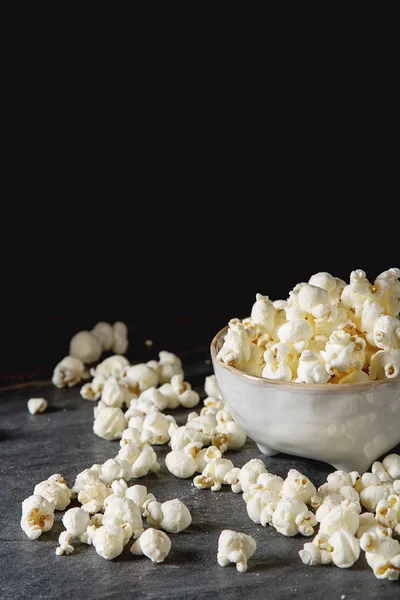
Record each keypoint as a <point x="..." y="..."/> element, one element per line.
<point x="313" y="386"/>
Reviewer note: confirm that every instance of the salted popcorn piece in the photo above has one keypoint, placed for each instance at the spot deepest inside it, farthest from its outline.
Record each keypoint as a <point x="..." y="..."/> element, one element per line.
<point x="109" y="423"/>
<point x="93" y="495"/>
<point x="85" y="346"/>
<point x="371" y="495"/>
<point x="172" y="516"/>
<point x="180" y="464"/>
<point x="250" y="472"/>
<point x="187" y="397"/>
<point x="391" y="464"/>
<point x="382" y="554"/>
<point x="120" y="511"/>
<point x="371" y="312"/>
<point x="55" y="490"/>
<point x="311" y="369"/>
<point x="291" y="516"/>
<point x="182" y="436"/>
<point x="333" y="318"/>
<point x="92" y="390"/>
<point x="143" y="376"/>
<point x="120" y="338"/>
<point x="114" y="393"/>
<point x="108" y="541"/>
<point x="64" y="541"/>
<point x="263" y="314"/>
<point x="156" y="397"/>
<point x="155" y="428"/>
<point x="154" y="544"/>
<point x="329" y="502"/>
<point x="211" y="387"/>
<point x="113" y="365"/>
<point x="387" y="286"/>
<point x="379" y="470"/>
<point x="236" y="348"/>
<point x="37" y="516"/>
<point x="76" y="521"/>
<point x="69" y="372"/>
<point x="86" y="477"/>
<point x="37" y="405"/>
<point x="104" y="333"/>
<point x="386" y="333"/>
<point x="232" y="478"/>
<point x="213" y="474"/>
<point x="261" y="504"/>
<point x="129" y="452"/>
<point x="358" y="290"/>
<point x="139" y="495"/>
<point x="344" y="352"/>
<point x="385" y="365"/>
<point x="366" y="480"/>
<point x="317" y="552"/>
<point x="212" y="406"/>
<point x="314" y="300"/>
<point x="388" y="512"/>
<point x="168" y="366"/>
<point x="265" y="481"/>
<point x="145" y="463"/>
<point x="342" y="517"/>
<point x="235" y="435"/>
<point x="115" y="468"/>
<point x="140" y="407"/>
<point x="207" y="425"/>
<point x="234" y="547"/>
<point x="368" y="524"/>
<point x="277" y="371"/>
<point x="281" y="361"/>
<point x="295" y="330"/>
<point x="170" y="395"/>
<point x="297" y="485"/>
<point x="324" y="280"/>
<point x="342" y="549"/>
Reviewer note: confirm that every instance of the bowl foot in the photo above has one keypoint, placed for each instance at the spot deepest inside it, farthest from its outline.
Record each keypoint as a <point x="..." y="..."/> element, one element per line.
<point x="266" y="450"/>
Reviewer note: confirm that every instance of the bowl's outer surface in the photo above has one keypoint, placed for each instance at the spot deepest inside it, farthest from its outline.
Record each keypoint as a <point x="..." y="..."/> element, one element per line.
<point x="348" y="427"/>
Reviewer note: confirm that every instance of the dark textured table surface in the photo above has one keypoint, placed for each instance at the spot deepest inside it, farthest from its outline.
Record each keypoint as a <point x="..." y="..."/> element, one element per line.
<point x="61" y="441"/>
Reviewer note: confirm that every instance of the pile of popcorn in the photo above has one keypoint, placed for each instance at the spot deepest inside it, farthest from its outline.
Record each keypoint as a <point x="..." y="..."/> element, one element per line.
<point x="326" y="331"/>
<point x="354" y="512"/>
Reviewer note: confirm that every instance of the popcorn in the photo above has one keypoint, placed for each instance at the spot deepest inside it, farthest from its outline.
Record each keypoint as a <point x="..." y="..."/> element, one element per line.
<point x="129" y="452"/>
<point x="93" y="495"/>
<point x="387" y="288"/>
<point x="37" y="405"/>
<point x="211" y="387"/>
<point x="187" y="397"/>
<point x="37" y="516"/>
<point x="121" y="511"/>
<point x="182" y="436"/>
<point x="64" y="541"/>
<point x="207" y="425"/>
<point x="342" y="549"/>
<point x="120" y="338"/>
<point x="86" y="477"/>
<point x="131" y="435"/>
<point x="385" y="365"/>
<point x="325" y="281"/>
<point x="180" y="464"/>
<point x="372" y="494"/>
<point x="263" y="314"/>
<point x="69" y="372"/>
<point x="386" y="333"/>
<point x="232" y="478"/>
<point x="115" y="468"/>
<point x="168" y="366"/>
<point x="382" y="554"/>
<point x="295" y="330"/>
<point x="104" y="333"/>
<point x="155" y="428"/>
<point x="236" y="348"/>
<point x="314" y="300"/>
<point x="250" y="471"/>
<point x="344" y="352"/>
<point x="114" y="393"/>
<point x="93" y="390"/>
<point x="145" y="463"/>
<point x="291" y="516"/>
<point x="109" y="423"/>
<point x="142" y="376"/>
<point x="113" y="365"/>
<point x="137" y="493"/>
<point x="55" y="490"/>
<point x="156" y="397"/>
<point x="108" y="541"/>
<point x="154" y="544"/>
<point x="343" y="517"/>
<point x="170" y="395"/>
<point x="76" y="521"/>
<point x="213" y="474"/>
<point x="262" y="505"/>
<point x="236" y="548"/>
<point x="212" y="406"/>
<point x="235" y="436"/>
<point x="329" y="502"/>
<point x="388" y="512"/>
<point x="172" y="516"/>
<point x="369" y="524"/>
<point x="280" y="362"/>
<point x="311" y="369"/>
<point x="85" y="346"/>
<point x="298" y="486"/>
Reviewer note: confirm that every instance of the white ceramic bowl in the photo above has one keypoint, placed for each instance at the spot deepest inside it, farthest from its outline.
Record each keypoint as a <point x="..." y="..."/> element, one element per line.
<point x="346" y="425"/>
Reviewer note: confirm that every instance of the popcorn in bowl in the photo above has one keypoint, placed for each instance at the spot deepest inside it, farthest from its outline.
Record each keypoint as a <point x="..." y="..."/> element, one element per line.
<point x="325" y="332"/>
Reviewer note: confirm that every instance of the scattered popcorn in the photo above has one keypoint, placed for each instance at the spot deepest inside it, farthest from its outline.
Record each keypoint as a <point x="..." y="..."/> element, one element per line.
<point x="109" y="423"/>
<point x="385" y="365"/>
<point x="85" y="346"/>
<point x="250" y="472"/>
<point x="37" y="516"/>
<point x="115" y="394"/>
<point x="382" y="554"/>
<point x="343" y="517"/>
<point x="145" y="463"/>
<point x="213" y="474"/>
<point x="182" y="436"/>
<point x="104" y="333"/>
<point x="108" y="541"/>
<point x="37" y="405"/>
<point x="207" y="425"/>
<point x="142" y="376"/>
<point x="93" y="390"/>
<point x="120" y="338"/>
<point x="76" y="521"/>
<point x="342" y="549"/>
<point x="211" y="387"/>
<point x="291" y="516"/>
<point x="181" y="464"/>
<point x="186" y="396"/>
<point x="236" y="348"/>
<point x="298" y="486"/>
<point x="69" y="372"/>
<point x="120" y="511"/>
<point x="154" y="544"/>
<point x="172" y="516"/>
<point x="113" y="365"/>
<point x="86" y="477"/>
<point x="211" y="406"/>
<point x="168" y="366"/>
<point x="65" y="546"/>
<point x="93" y="495"/>
<point x="131" y="435"/>
<point x="236" y="548"/>
<point x="55" y="490"/>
